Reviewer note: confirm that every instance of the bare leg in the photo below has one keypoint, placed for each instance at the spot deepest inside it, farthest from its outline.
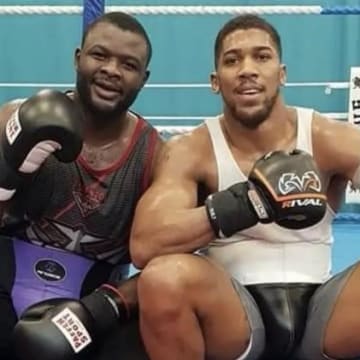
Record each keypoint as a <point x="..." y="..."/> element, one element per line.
<point x="343" y="330"/>
<point x="189" y="310"/>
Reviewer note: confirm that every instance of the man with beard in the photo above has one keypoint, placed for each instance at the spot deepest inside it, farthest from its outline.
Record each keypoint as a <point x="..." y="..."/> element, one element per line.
<point x="73" y="168"/>
<point x="253" y="191"/>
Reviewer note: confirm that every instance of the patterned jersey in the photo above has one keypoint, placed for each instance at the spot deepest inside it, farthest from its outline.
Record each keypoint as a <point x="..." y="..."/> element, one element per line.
<point x="82" y="210"/>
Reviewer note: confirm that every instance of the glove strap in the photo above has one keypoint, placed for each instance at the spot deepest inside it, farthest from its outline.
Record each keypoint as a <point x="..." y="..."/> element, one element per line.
<point x="211" y="214"/>
<point x="118" y="301"/>
<point x="231" y="210"/>
<point x="101" y="310"/>
<point x="260" y="207"/>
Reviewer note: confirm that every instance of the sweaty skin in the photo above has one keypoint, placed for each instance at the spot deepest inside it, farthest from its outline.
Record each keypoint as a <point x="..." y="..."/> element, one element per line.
<point x="111" y="69"/>
<point x="186" y="294"/>
<point x="248" y="77"/>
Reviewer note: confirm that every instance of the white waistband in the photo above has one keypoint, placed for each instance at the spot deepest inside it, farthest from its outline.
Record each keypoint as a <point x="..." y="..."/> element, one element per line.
<point x="254" y="261"/>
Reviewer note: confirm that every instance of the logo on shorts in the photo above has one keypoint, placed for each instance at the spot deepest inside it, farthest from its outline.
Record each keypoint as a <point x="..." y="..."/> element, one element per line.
<point x="49" y="270"/>
<point x="290" y="182"/>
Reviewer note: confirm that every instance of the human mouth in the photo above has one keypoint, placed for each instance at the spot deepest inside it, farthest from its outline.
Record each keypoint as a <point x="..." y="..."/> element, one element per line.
<point x="248" y="92"/>
<point x="106" y="90"/>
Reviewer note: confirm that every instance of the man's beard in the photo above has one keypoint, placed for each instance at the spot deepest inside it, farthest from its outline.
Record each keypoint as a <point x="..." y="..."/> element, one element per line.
<point x="253" y="120"/>
<point x="99" y="113"/>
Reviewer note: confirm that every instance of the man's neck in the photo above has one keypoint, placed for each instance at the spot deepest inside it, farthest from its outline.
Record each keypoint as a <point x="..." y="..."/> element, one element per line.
<point x="277" y="130"/>
<point x="105" y="145"/>
<point x="100" y="130"/>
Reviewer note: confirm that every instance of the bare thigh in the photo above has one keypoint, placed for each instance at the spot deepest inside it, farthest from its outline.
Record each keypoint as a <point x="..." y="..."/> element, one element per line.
<point x="342" y="335"/>
<point x="333" y="325"/>
<point x="225" y="312"/>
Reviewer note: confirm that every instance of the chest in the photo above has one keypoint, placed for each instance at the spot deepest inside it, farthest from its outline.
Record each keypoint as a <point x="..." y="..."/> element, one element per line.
<point x="104" y="156"/>
<point x="235" y="162"/>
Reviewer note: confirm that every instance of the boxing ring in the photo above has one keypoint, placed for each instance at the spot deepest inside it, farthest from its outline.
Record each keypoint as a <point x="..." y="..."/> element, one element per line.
<point x="164" y="109"/>
<point x="178" y="95"/>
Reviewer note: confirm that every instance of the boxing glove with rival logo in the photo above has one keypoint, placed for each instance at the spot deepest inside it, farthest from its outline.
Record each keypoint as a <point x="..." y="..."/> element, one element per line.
<point x="282" y="187"/>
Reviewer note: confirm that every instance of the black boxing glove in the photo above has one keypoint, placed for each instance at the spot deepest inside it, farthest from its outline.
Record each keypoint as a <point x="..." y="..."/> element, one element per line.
<point x="282" y="187"/>
<point x="48" y="122"/>
<point x="67" y="329"/>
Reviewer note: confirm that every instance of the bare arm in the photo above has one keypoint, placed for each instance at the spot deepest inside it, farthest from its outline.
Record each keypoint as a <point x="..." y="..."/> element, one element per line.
<point x="159" y="146"/>
<point x="167" y="219"/>
<point x="336" y="146"/>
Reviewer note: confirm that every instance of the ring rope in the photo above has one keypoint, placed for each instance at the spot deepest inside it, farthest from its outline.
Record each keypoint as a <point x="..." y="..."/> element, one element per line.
<point x="327" y="85"/>
<point x="337" y="116"/>
<point x="183" y="10"/>
<point x="180" y="129"/>
<point x="89" y="13"/>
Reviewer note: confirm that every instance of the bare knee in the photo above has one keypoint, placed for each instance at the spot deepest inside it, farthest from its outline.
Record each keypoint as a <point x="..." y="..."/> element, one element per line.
<point x="172" y="275"/>
<point x="191" y="288"/>
<point x="169" y="282"/>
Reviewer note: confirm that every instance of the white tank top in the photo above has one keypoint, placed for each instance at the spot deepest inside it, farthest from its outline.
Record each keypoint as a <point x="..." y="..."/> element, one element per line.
<point x="268" y="253"/>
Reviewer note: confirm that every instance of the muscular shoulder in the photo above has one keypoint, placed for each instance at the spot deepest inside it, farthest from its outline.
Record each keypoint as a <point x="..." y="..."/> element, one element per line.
<point x="325" y="127"/>
<point x="191" y="145"/>
<point x="326" y="130"/>
<point x="334" y="142"/>
<point x="196" y="138"/>
<point x="185" y="153"/>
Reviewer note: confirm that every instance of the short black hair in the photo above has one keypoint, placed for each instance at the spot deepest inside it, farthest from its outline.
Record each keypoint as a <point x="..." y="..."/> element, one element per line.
<point x="245" y="22"/>
<point x="122" y="21"/>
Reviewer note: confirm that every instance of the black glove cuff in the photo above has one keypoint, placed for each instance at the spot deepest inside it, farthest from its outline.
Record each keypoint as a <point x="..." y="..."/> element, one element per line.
<point x="230" y="211"/>
<point x="260" y="204"/>
<point x="212" y="216"/>
<point x="118" y="300"/>
<point x="102" y="310"/>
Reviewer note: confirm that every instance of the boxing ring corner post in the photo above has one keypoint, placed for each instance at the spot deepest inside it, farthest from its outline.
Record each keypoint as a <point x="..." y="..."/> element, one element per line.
<point x="92" y="9"/>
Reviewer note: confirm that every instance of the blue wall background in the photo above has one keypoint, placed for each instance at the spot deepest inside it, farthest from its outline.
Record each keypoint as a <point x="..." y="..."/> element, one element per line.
<point x="39" y="49"/>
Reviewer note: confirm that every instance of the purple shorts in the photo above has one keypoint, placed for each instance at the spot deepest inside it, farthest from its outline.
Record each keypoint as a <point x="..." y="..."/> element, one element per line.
<point x="43" y="273"/>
